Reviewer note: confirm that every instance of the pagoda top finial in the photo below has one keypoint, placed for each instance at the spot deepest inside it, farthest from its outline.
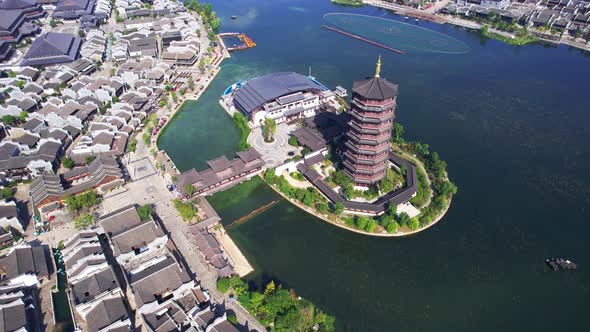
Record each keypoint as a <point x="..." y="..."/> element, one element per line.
<point x="378" y="69"/>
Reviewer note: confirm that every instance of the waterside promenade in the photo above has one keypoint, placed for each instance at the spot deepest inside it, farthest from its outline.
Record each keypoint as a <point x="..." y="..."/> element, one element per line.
<point x="431" y="14"/>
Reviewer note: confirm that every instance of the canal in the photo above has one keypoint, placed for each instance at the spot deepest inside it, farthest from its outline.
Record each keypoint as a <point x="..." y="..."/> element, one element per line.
<point x="511" y="122"/>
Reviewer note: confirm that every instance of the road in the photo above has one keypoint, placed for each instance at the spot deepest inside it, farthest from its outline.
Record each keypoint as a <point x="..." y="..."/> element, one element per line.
<point x="149" y="187"/>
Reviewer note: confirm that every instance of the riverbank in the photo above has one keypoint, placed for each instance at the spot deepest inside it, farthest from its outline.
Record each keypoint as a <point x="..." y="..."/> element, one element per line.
<point x="498" y="35"/>
<point x="339" y="222"/>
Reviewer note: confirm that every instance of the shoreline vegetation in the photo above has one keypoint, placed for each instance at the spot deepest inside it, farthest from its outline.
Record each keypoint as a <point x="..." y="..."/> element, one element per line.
<point x="433" y="199"/>
<point x="278" y="308"/>
<point x="351" y="3"/>
<point x="520" y="39"/>
<point x="242" y="123"/>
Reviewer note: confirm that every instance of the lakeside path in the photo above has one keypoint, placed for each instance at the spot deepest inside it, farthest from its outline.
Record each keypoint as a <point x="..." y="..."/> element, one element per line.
<point x="150" y="183"/>
<point x="344" y="226"/>
<point x="430" y="15"/>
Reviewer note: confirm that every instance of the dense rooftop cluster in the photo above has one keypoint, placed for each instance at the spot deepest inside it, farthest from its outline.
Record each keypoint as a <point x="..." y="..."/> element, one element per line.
<point x="564" y="16"/>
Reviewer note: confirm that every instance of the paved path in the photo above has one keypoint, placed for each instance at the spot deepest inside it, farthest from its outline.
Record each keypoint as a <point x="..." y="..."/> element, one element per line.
<point x="274" y="153"/>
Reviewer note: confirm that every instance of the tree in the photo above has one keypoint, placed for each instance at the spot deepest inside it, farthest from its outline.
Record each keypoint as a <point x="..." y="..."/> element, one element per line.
<point x="89" y="159"/>
<point x="293" y="141"/>
<point x="385" y="185"/>
<point x="270" y="127"/>
<point x="67" y="163"/>
<point x="173" y="95"/>
<point x="223" y="285"/>
<point x="403" y="219"/>
<point x="191" y="82"/>
<point x="202" y="64"/>
<point x="270" y="288"/>
<point x="238" y="285"/>
<point x="338" y="208"/>
<point x="189" y="189"/>
<point x="7" y="193"/>
<point x="163" y="101"/>
<point x="414" y="223"/>
<point x="371" y="225"/>
<point x="145" y="212"/>
<point x="392" y="209"/>
<point x="392" y="227"/>
<point x="398" y="131"/>
<point x="361" y="222"/>
<point x="84" y="221"/>
<point x="8" y="120"/>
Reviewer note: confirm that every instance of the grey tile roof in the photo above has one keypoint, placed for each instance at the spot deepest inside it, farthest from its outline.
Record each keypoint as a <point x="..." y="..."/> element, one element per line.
<point x="87" y="289"/>
<point x="52" y="48"/>
<point x="157" y="279"/>
<point x="375" y="88"/>
<point x="26" y="259"/>
<point x="105" y="313"/>
<point x="260" y="90"/>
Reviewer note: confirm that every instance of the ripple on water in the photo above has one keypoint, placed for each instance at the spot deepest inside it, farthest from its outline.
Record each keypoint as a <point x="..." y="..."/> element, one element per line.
<point x="396" y="34"/>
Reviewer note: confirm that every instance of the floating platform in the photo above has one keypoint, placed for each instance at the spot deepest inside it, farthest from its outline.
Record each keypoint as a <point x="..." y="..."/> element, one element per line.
<point x="235" y="41"/>
<point x="557" y="264"/>
<point x="363" y="39"/>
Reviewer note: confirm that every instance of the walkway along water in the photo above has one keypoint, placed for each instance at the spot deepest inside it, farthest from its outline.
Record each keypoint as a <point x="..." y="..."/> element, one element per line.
<point x="363" y="39"/>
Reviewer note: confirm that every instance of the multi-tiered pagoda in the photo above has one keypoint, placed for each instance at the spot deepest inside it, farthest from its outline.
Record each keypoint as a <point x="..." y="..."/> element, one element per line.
<point x="369" y="133"/>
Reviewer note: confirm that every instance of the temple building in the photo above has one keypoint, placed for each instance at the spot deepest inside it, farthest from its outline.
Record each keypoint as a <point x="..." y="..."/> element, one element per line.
<point x="52" y="48"/>
<point x="16" y="23"/>
<point x="369" y="133"/>
<point x="283" y="97"/>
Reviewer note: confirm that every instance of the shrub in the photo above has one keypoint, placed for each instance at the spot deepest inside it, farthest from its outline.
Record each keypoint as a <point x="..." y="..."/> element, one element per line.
<point x="67" y="163"/>
<point x="392" y="227"/>
<point x="232" y="319"/>
<point x="145" y="212"/>
<point x="293" y="141"/>
<point x="223" y="285"/>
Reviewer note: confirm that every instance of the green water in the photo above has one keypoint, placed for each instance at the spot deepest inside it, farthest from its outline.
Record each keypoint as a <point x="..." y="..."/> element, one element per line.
<point x="510" y="122"/>
<point x="61" y="304"/>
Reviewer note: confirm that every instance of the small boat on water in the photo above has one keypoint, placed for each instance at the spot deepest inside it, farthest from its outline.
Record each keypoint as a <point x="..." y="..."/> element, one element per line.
<point x="557" y="264"/>
<point x="406" y="17"/>
<point x="233" y="17"/>
<point x="417" y="20"/>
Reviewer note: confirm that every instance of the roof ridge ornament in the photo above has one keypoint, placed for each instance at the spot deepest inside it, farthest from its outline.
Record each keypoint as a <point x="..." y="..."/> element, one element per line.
<point x="378" y="69"/>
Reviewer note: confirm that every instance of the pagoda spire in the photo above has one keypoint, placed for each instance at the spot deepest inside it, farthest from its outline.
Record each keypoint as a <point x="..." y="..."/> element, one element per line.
<point x="378" y="69"/>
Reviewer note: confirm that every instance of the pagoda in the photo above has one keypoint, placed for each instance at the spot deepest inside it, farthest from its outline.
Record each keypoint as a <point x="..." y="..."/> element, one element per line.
<point x="369" y="133"/>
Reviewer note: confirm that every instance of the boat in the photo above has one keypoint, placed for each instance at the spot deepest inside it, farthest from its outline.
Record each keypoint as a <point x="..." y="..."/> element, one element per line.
<point x="233" y="17"/>
<point x="557" y="264"/>
<point x="417" y="20"/>
<point x="406" y="17"/>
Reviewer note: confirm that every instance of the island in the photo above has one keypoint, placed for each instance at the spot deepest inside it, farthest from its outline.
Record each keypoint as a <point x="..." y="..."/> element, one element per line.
<point x="346" y="164"/>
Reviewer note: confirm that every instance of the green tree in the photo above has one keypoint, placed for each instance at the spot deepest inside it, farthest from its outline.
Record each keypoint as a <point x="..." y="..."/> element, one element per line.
<point x="145" y="212"/>
<point x="361" y="222"/>
<point x="190" y="82"/>
<point x="8" y="120"/>
<point x="84" y="221"/>
<point x="238" y="285"/>
<point x="371" y="225"/>
<point x="293" y="141"/>
<point x="403" y="219"/>
<point x="173" y="95"/>
<point x="392" y="209"/>
<point x="270" y="127"/>
<point x="189" y="189"/>
<point x="22" y="117"/>
<point x="392" y="227"/>
<point x="67" y="163"/>
<point x="89" y="159"/>
<point x="7" y="193"/>
<point x="397" y="132"/>
<point x="414" y="223"/>
<point x="223" y="285"/>
<point x="338" y="208"/>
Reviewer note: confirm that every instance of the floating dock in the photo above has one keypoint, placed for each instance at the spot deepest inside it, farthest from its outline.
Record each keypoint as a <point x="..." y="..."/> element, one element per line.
<point x="235" y="41"/>
<point x="363" y="39"/>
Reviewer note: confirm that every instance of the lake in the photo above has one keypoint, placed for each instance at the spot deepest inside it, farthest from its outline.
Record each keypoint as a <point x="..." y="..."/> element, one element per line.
<point x="512" y="124"/>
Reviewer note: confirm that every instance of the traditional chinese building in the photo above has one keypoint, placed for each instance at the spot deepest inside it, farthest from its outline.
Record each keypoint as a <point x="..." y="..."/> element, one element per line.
<point x="369" y="134"/>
